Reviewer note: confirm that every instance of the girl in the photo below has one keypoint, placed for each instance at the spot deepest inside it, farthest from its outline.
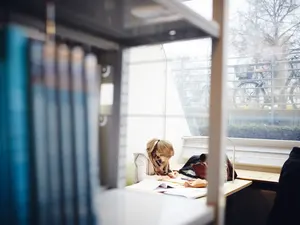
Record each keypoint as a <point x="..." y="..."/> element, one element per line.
<point x="155" y="163"/>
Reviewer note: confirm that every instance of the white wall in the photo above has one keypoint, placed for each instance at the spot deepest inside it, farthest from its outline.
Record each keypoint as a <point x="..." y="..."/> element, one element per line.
<point x="154" y="108"/>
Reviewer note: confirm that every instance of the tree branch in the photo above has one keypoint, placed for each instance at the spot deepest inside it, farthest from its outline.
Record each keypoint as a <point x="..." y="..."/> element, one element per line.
<point x="289" y="37"/>
<point x="290" y="9"/>
<point x="295" y="25"/>
<point x="269" y="39"/>
<point x="264" y="5"/>
<point x="280" y="7"/>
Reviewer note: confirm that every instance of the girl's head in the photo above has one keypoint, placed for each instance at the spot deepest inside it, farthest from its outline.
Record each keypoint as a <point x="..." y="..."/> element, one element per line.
<point x="160" y="150"/>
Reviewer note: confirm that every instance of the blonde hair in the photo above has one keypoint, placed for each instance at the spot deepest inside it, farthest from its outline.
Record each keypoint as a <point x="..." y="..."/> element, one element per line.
<point x="163" y="148"/>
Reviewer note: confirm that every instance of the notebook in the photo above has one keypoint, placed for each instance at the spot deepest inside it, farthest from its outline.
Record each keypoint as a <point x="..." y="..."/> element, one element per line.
<point x="152" y="185"/>
<point x="168" y="188"/>
<point x="192" y="193"/>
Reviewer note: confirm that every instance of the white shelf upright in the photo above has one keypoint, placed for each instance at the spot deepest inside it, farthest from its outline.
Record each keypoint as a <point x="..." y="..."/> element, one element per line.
<point x="218" y="114"/>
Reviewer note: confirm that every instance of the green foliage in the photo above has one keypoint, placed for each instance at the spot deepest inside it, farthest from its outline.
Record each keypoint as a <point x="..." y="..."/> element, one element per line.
<point x="260" y="132"/>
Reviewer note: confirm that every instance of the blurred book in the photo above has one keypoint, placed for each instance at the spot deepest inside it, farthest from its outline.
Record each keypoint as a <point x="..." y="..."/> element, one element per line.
<point x="49" y="99"/>
<point x="4" y="157"/>
<point x="54" y="158"/>
<point x="38" y="141"/>
<point x="91" y="82"/>
<point x="79" y="135"/>
<point x="65" y="133"/>
<point x="14" y="161"/>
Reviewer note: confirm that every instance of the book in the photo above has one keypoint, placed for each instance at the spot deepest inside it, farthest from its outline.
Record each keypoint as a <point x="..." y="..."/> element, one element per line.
<point x="91" y="83"/>
<point x="169" y="188"/>
<point x="152" y="184"/>
<point x="65" y="133"/>
<point x="38" y="144"/>
<point x="79" y="137"/>
<point x="4" y="159"/>
<point x="192" y="193"/>
<point x="16" y="187"/>
<point x="54" y="158"/>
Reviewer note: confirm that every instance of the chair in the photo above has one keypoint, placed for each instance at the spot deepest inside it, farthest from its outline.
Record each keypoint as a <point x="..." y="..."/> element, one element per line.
<point x="286" y="206"/>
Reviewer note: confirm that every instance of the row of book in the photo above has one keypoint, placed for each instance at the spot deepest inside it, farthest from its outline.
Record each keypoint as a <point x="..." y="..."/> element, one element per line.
<point x="48" y="132"/>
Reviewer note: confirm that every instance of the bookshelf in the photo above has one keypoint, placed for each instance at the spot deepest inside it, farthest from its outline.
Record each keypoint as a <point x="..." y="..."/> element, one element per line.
<point x="112" y="26"/>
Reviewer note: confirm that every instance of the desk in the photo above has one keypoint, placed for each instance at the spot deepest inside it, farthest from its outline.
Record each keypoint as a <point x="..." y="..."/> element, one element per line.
<point x="238" y="185"/>
<point x="232" y="187"/>
<point x="124" y="207"/>
<point x="229" y="187"/>
<point x="258" y="176"/>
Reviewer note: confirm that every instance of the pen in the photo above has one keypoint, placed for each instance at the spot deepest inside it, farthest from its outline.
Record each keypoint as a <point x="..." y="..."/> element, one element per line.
<point x="187" y="179"/>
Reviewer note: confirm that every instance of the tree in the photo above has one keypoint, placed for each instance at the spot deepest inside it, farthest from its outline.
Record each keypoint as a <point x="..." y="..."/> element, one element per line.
<point x="268" y="30"/>
<point x="266" y="27"/>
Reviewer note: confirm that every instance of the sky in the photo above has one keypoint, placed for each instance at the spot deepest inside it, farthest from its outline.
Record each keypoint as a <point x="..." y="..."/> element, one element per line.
<point x="201" y="48"/>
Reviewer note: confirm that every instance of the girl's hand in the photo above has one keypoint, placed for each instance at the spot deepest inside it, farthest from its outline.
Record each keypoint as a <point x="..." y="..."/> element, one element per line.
<point x="176" y="174"/>
<point x="198" y="183"/>
<point x="173" y="174"/>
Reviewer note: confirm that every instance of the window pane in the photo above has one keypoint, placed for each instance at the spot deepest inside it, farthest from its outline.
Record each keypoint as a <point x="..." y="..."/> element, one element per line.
<point x="147" y="81"/>
<point x="264" y="51"/>
<point x="140" y="130"/>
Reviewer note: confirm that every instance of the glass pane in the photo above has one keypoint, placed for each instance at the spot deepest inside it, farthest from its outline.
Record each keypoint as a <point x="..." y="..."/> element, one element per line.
<point x="188" y="78"/>
<point x="139" y="131"/>
<point x="263" y="79"/>
<point x="146" y="90"/>
<point x="176" y="128"/>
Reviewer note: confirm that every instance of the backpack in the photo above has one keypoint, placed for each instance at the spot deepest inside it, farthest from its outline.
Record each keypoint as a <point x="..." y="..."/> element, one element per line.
<point x="196" y="167"/>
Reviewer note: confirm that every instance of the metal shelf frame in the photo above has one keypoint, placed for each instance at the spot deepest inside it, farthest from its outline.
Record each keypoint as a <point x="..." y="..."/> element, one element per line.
<point x="114" y="40"/>
<point x="115" y="22"/>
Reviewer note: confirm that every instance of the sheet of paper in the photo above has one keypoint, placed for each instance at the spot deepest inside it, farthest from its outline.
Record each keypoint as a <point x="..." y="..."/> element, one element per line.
<point x="187" y="192"/>
<point x="146" y="185"/>
<point x="151" y="184"/>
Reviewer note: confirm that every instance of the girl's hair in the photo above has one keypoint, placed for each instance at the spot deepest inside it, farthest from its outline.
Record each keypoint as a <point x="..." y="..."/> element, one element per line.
<point x="162" y="148"/>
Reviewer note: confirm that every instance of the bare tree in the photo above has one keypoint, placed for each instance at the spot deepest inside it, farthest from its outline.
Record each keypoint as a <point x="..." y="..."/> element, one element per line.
<point x="268" y="30"/>
<point x="266" y="27"/>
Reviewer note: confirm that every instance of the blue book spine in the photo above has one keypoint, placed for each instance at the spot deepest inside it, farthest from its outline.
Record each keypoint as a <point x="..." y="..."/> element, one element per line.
<point x="4" y="159"/>
<point x="92" y="132"/>
<point x="52" y="134"/>
<point x="66" y="134"/>
<point x="39" y="144"/>
<point x="15" y="81"/>
<point x="78" y="103"/>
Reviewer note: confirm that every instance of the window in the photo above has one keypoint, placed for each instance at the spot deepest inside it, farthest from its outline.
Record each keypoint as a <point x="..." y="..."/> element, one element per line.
<point x="169" y="86"/>
<point x="264" y="48"/>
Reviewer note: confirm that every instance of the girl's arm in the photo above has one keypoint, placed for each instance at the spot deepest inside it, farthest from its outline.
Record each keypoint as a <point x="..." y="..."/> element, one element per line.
<point x="198" y="183"/>
<point x="141" y="163"/>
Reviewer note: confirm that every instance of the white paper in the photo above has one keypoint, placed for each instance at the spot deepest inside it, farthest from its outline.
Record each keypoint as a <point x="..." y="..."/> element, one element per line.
<point x="187" y="192"/>
<point x="150" y="185"/>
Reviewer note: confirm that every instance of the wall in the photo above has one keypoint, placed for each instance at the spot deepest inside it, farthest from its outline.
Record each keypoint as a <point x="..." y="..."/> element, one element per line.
<point x="154" y="108"/>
